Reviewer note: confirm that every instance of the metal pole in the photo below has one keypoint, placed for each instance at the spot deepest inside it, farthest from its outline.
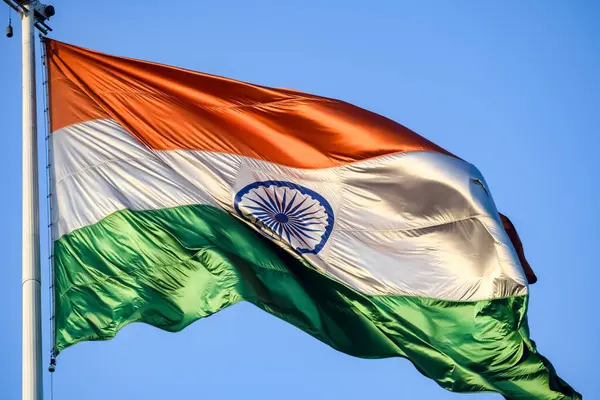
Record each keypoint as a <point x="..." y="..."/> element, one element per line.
<point x="32" y="327"/>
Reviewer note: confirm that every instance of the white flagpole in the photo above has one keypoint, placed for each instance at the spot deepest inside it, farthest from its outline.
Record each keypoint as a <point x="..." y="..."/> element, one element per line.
<point x="33" y="15"/>
<point x="32" y="328"/>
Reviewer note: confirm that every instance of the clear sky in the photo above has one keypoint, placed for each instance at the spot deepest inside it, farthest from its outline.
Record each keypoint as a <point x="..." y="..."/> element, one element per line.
<point x="511" y="86"/>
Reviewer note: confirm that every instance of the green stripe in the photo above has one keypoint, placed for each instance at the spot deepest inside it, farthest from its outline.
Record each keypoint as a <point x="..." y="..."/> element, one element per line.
<point x="170" y="267"/>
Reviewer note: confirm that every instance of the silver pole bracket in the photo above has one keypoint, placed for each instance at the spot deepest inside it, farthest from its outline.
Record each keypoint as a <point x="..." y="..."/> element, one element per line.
<point x="42" y="13"/>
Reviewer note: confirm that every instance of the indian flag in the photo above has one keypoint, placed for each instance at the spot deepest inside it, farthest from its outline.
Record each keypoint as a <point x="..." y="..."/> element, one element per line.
<point x="176" y="194"/>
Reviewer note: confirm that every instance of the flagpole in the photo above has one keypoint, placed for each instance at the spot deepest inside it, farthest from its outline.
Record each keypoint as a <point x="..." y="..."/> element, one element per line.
<point x="33" y="15"/>
<point x="32" y="377"/>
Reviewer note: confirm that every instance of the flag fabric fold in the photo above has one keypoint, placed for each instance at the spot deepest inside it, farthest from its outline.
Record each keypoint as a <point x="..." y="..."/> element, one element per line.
<point x="176" y="194"/>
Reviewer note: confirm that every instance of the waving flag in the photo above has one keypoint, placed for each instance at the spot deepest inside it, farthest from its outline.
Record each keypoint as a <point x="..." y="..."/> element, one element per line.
<point x="176" y="194"/>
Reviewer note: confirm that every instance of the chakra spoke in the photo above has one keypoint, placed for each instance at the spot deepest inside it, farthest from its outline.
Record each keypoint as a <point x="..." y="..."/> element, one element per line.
<point x="277" y="201"/>
<point x="307" y="214"/>
<point x="302" y="229"/>
<point x="304" y="209"/>
<point x="271" y="200"/>
<point x="300" y="232"/>
<point x="267" y="203"/>
<point x="263" y="213"/>
<point x="290" y="203"/>
<point x="303" y="224"/>
<point x="287" y="232"/>
<point x="259" y="209"/>
<point x="296" y="207"/>
<point x="307" y="222"/>
<point x="271" y="223"/>
<point x="283" y="206"/>
<point x="298" y="236"/>
<point x="264" y="204"/>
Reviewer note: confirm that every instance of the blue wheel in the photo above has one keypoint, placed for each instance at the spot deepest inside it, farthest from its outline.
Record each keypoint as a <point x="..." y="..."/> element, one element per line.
<point x="293" y="213"/>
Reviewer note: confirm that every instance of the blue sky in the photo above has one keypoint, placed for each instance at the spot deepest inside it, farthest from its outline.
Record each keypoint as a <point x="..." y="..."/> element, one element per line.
<point x="511" y="86"/>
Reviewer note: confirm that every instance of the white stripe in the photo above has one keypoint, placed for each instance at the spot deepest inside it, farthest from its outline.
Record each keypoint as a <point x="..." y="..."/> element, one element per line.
<point x="419" y="224"/>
